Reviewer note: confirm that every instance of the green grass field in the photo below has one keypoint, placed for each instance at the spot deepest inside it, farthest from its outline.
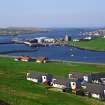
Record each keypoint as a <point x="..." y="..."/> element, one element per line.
<point x="16" y="90"/>
<point x="96" y="44"/>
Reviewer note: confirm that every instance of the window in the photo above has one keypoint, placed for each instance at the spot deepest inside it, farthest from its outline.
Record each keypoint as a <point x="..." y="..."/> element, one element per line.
<point x="73" y="83"/>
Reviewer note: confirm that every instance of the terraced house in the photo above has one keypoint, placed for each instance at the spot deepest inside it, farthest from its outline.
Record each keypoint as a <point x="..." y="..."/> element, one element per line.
<point x="88" y="84"/>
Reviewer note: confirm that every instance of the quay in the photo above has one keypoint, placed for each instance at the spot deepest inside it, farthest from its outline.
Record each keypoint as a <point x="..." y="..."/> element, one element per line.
<point x="45" y="44"/>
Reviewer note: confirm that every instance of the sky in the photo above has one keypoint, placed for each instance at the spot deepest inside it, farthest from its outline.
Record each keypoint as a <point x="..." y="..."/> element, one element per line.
<point x="52" y="13"/>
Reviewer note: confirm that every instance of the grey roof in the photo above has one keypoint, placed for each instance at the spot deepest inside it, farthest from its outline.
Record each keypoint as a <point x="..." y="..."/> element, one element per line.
<point x="98" y="75"/>
<point x="38" y="74"/>
<point x="60" y="80"/>
<point x="94" y="88"/>
<point x="35" y="74"/>
<point x="78" y="75"/>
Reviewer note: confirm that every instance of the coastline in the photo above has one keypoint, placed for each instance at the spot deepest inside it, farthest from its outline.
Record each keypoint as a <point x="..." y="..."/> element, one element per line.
<point x="58" y="61"/>
<point x="86" y="49"/>
<point x="97" y="44"/>
<point x="15" y="51"/>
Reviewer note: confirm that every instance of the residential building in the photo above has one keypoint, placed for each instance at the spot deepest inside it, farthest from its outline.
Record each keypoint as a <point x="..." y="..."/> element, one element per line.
<point x="39" y="77"/>
<point x="94" y="90"/>
<point x="87" y="77"/>
<point x="61" y="83"/>
<point x="23" y="58"/>
<point x="41" y="59"/>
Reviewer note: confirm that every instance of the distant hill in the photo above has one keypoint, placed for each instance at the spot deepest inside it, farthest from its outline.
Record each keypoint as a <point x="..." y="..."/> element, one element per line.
<point x="21" y="30"/>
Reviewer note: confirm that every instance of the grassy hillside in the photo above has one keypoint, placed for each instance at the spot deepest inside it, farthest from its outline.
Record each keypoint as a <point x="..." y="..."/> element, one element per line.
<point x="16" y="90"/>
<point x="96" y="44"/>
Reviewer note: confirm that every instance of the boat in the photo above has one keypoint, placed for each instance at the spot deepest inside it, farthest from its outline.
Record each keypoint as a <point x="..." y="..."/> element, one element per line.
<point x="72" y="55"/>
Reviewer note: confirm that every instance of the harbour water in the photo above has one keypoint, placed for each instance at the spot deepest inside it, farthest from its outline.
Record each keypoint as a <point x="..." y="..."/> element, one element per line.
<point x="53" y="52"/>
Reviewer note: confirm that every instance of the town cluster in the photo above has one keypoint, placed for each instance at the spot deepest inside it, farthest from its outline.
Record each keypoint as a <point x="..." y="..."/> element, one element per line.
<point x="85" y="84"/>
<point x="44" y="41"/>
<point x="87" y="36"/>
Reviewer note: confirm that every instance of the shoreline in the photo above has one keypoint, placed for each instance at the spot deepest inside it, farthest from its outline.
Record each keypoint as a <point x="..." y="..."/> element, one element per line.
<point x="96" y="44"/>
<point x="58" y="61"/>
<point x="86" y="49"/>
<point x="16" y="51"/>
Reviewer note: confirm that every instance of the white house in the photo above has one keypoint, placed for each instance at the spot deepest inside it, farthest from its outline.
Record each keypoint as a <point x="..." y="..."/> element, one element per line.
<point x="76" y="40"/>
<point x="88" y="38"/>
<point x="39" y="77"/>
<point x="49" y="40"/>
<point x="60" y="83"/>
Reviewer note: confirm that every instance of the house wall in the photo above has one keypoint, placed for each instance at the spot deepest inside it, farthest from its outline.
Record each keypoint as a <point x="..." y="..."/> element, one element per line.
<point x="44" y="61"/>
<point x="24" y="60"/>
<point x="73" y="85"/>
<point x="70" y="76"/>
<point x="44" y="79"/>
<point x="86" y="78"/>
<point x="38" y="61"/>
<point x="28" y="74"/>
<point x="34" y="80"/>
<point x="95" y="81"/>
<point x="16" y="59"/>
<point x="95" y="95"/>
<point x="59" y="86"/>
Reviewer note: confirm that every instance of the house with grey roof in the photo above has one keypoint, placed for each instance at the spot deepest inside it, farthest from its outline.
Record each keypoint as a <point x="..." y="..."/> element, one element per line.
<point x="67" y="84"/>
<point x="94" y="90"/>
<point x="61" y="83"/>
<point x="75" y="84"/>
<point x="88" y="77"/>
<point x="39" y="77"/>
<point x="98" y="78"/>
<point x="35" y="77"/>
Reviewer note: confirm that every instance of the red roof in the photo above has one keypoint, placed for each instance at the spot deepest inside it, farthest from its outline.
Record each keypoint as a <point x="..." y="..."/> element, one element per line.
<point x="24" y="57"/>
